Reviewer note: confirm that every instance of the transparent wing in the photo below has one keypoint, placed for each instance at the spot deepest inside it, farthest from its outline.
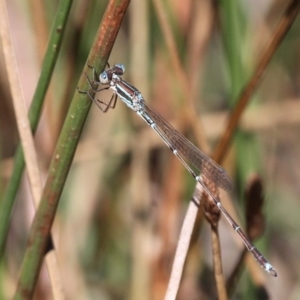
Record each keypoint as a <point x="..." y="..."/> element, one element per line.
<point x="188" y="150"/>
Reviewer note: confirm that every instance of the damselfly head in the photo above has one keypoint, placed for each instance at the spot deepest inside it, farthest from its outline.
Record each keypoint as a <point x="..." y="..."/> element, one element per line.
<point x="107" y="75"/>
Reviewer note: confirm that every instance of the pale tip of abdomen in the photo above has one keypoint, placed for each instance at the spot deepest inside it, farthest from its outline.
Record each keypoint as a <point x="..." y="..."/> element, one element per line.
<point x="271" y="270"/>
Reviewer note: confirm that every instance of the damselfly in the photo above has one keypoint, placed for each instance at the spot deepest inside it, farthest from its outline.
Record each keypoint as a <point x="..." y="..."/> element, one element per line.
<point x="184" y="150"/>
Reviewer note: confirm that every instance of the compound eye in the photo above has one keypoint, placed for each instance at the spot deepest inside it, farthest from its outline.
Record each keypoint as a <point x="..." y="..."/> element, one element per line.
<point x="119" y="69"/>
<point x="103" y="77"/>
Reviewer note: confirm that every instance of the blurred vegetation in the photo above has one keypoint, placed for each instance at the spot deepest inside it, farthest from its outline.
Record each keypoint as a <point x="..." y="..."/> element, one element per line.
<point x="122" y="207"/>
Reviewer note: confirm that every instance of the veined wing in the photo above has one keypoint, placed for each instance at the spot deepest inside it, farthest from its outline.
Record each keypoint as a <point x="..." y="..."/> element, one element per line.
<point x="185" y="148"/>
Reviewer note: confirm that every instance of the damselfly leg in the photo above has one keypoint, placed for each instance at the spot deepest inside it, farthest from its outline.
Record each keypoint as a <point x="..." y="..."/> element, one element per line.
<point x="104" y="107"/>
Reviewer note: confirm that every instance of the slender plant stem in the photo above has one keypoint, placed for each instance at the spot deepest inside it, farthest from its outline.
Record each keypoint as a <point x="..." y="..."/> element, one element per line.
<point x="34" y="113"/>
<point x="24" y="128"/>
<point x="64" y="152"/>
<point x="183" y="244"/>
<point x="189" y="117"/>
<point x="280" y="32"/>
<point x="218" y="269"/>
<point x="213" y="215"/>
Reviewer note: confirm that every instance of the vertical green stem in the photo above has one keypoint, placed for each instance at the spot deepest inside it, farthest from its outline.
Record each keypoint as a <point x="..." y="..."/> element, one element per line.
<point x="52" y="51"/>
<point x="64" y="152"/>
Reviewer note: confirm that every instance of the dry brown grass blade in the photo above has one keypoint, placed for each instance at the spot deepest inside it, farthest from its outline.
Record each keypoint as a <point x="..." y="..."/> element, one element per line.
<point x="280" y="32"/>
<point x="182" y="79"/>
<point x="183" y="244"/>
<point x="212" y="215"/>
<point x="188" y="116"/>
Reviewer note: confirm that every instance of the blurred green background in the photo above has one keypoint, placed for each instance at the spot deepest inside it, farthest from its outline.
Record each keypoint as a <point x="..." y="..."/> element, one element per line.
<point x="122" y="207"/>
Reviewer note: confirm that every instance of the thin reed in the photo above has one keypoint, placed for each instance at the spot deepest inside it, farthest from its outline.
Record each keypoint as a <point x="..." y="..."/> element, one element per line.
<point x="124" y="195"/>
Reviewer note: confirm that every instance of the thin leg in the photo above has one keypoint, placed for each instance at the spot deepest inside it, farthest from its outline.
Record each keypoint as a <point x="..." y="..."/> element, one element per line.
<point x="91" y="83"/>
<point x="111" y="104"/>
<point x="113" y="100"/>
<point x="94" y="75"/>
